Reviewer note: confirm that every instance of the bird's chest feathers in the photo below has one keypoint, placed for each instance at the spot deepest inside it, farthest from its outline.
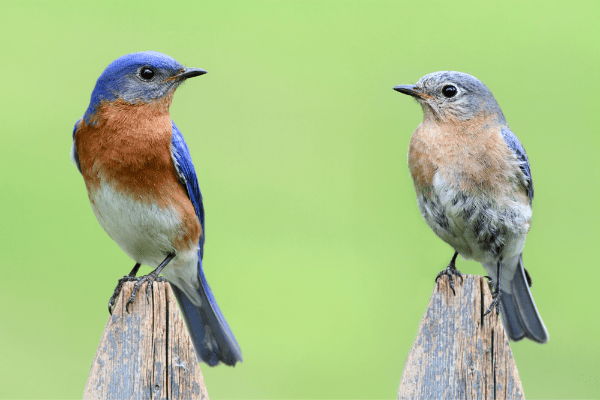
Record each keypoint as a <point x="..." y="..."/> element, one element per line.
<point x="128" y="146"/>
<point x="469" y="155"/>
<point x="468" y="187"/>
<point x="133" y="185"/>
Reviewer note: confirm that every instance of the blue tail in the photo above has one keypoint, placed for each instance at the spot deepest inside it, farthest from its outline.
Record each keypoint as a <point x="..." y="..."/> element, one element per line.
<point x="519" y="314"/>
<point x="212" y="338"/>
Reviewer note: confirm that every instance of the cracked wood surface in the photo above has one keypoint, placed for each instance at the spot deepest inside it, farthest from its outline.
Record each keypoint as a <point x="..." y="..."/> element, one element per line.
<point x="146" y="353"/>
<point x="458" y="354"/>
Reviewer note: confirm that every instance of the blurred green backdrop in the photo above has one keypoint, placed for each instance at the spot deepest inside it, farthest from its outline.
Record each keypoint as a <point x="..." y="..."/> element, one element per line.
<point x="316" y="250"/>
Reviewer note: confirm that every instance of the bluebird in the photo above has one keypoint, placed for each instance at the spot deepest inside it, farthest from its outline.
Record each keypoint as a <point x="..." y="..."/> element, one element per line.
<point x="144" y="192"/>
<point x="474" y="189"/>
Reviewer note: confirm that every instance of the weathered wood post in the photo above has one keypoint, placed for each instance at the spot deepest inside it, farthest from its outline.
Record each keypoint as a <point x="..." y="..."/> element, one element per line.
<point x="146" y="353"/>
<point x="458" y="354"/>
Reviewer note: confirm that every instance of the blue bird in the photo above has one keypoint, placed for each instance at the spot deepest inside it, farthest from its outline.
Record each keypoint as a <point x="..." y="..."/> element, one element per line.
<point x="144" y="191"/>
<point x="474" y="189"/>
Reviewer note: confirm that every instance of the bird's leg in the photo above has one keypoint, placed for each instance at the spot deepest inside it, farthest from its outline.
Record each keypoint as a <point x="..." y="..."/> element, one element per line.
<point x="150" y="278"/>
<point x="451" y="270"/>
<point x="126" y="278"/>
<point x="497" y="295"/>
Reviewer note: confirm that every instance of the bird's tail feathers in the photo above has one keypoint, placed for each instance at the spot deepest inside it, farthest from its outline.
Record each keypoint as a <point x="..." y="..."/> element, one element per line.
<point x="210" y="333"/>
<point x="520" y="317"/>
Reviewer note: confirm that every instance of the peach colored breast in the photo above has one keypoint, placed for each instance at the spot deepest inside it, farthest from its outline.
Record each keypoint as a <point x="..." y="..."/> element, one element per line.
<point x="472" y="154"/>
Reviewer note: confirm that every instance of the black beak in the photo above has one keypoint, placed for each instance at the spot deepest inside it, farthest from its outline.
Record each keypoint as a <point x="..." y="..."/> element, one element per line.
<point x="190" y="73"/>
<point x="410" y="90"/>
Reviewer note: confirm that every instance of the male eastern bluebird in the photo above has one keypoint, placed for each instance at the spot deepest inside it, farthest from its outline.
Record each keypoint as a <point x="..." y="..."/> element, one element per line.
<point x="474" y="189"/>
<point x="144" y="192"/>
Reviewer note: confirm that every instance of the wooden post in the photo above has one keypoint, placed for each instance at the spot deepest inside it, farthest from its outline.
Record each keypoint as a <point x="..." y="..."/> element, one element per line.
<point x="146" y="353"/>
<point x="458" y="354"/>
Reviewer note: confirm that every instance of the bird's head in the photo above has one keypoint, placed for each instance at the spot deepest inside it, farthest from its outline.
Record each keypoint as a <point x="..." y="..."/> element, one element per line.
<point x="451" y="95"/>
<point x="139" y="78"/>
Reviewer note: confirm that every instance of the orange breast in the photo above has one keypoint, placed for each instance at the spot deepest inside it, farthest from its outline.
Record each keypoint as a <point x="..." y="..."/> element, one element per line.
<point x="129" y="147"/>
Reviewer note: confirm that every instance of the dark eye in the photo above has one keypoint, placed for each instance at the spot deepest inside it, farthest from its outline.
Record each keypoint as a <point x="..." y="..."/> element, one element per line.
<point x="449" y="91"/>
<point x="147" y="73"/>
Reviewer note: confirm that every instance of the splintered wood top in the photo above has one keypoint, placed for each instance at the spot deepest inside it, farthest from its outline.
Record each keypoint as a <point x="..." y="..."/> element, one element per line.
<point x="458" y="354"/>
<point x="146" y="353"/>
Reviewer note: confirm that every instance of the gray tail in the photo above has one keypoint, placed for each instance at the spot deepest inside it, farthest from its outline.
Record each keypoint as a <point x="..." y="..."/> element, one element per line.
<point x="519" y="314"/>
<point x="213" y="340"/>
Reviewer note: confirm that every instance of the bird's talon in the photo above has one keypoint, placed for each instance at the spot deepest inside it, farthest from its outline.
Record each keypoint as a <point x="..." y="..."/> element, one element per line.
<point x="490" y="282"/>
<point x="149" y="290"/>
<point x="450" y="271"/>
<point x="495" y="303"/>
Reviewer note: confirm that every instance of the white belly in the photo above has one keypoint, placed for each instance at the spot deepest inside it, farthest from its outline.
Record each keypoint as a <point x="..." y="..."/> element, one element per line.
<point x="144" y="231"/>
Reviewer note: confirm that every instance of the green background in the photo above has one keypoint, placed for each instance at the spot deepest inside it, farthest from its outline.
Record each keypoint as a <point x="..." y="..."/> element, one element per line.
<point x="315" y="249"/>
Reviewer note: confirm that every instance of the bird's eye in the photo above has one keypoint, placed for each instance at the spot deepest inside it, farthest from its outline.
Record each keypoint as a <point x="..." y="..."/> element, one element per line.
<point x="449" y="91"/>
<point x="147" y="73"/>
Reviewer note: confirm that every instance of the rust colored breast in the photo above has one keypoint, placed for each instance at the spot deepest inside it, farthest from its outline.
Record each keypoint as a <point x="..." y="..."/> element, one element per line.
<point x="129" y="147"/>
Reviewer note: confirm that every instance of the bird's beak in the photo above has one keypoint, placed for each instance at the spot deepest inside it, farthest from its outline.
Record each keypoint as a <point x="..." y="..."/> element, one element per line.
<point x="189" y="73"/>
<point x="411" y="90"/>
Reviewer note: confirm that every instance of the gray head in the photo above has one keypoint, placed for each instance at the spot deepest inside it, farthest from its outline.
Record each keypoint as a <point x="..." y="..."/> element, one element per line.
<point x="453" y="95"/>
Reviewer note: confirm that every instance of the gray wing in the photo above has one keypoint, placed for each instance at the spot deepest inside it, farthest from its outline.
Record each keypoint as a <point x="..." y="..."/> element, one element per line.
<point x="517" y="148"/>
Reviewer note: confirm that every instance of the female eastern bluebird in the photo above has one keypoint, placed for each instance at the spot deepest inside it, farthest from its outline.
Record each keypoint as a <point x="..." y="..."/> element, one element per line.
<point x="474" y="189"/>
<point x="144" y="192"/>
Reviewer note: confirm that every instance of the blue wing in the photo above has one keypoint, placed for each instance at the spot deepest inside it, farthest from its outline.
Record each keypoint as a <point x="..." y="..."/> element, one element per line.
<point x="74" y="155"/>
<point x="514" y="144"/>
<point x="187" y="175"/>
<point x="212" y="337"/>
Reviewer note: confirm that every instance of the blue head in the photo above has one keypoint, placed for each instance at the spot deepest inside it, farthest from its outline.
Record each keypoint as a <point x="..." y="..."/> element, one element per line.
<point x="139" y="78"/>
<point x="453" y="95"/>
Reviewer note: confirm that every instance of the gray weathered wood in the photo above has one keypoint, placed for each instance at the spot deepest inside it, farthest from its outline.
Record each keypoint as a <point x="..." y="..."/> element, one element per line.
<point x="146" y="353"/>
<point x="458" y="354"/>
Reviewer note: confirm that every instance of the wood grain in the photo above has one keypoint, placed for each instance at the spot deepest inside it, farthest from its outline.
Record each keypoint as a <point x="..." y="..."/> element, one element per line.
<point x="146" y="353"/>
<point x="458" y="354"/>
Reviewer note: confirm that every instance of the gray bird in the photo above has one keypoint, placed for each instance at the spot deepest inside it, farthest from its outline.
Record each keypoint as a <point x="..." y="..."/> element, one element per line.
<point x="474" y="189"/>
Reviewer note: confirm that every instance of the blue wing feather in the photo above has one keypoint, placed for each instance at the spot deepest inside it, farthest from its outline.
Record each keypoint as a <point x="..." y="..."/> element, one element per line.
<point x="187" y="174"/>
<point x="514" y="144"/>
<point x="212" y="337"/>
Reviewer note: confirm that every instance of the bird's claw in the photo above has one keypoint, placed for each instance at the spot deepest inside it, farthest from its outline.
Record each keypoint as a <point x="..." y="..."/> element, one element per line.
<point x="113" y="298"/>
<point x="450" y="271"/>
<point x="495" y="303"/>
<point x="150" y="279"/>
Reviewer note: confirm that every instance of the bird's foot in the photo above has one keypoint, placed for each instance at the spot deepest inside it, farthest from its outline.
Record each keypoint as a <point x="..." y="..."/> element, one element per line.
<point x="126" y="278"/>
<point x="450" y="271"/>
<point x="117" y="291"/>
<point x="150" y="279"/>
<point x="496" y="296"/>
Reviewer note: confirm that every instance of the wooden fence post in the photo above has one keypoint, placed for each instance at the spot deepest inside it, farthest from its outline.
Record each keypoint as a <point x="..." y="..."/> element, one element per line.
<point x="146" y="353"/>
<point x="458" y="354"/>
